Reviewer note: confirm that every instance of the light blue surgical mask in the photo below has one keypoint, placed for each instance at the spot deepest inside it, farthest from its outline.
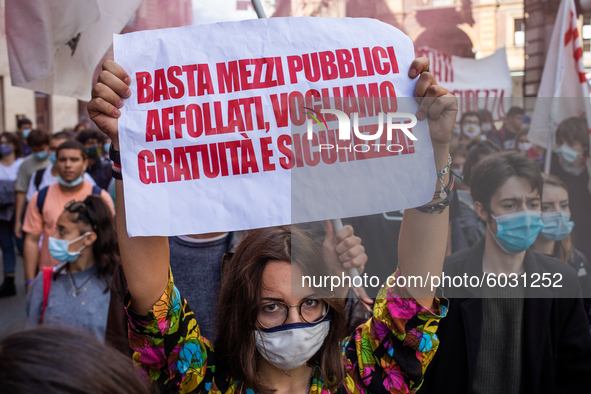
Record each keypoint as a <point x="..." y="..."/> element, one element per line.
<point x="26" y="132"/>
<point x="41" y="155"/>
<point x="557" y="225"/>
<point x="567" y="153"/>
<point x="58" y="248"/>
<point x="75" y="182"/>
<point x="52" y="158"/>
<point x="517" y="231"/>
<point x="107" y="147"/>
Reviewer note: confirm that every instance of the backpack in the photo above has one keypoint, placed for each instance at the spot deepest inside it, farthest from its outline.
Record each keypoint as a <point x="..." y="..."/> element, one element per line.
<point x="39" y="177"/>
<point x="47" y="276"/>
<point x="96" y="190"/>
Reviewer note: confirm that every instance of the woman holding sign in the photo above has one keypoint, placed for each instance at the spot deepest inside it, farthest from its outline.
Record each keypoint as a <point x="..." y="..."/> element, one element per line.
<point x="269" y="340"/>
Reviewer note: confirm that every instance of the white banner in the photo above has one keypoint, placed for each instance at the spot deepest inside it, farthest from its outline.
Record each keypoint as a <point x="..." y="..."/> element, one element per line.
<point x="478" y="84"/>
<point x="215" y="134"/>
<point x="54" y="46"/>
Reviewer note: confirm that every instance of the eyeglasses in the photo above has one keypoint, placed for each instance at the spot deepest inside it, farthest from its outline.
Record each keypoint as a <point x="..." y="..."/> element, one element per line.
<point x="80" y="207"/>
<point x="275" y="313"/>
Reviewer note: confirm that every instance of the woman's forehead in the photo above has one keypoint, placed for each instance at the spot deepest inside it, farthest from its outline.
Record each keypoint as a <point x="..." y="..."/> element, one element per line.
<point x="277" y="282"/>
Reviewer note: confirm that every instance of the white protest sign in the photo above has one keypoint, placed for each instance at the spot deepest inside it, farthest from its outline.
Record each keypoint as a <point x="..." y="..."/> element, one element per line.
<point x="478" y="84"/>
<point x="215" y="134"/>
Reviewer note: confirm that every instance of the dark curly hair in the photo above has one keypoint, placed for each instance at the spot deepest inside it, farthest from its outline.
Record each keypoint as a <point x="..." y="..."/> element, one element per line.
<point x="96" y="214"/>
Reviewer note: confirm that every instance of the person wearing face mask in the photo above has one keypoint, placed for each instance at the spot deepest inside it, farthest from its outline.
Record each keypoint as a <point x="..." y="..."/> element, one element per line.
<point x="48" y="176"/>
<point x="569" y="164"/>
<point x="522" y="144"/>
<point x="487" y="124"/>
<point x="39" y="144"/>
<point x="47" y="205"/>
<point x="269" y="338"/>
<point x="99" y="167"/>
<point x="505" y="136"/>
<point x="555" y="238"/>
<point x="512" y="338"/>
<point x="469" y="126"/>
<point x="24" y="128"/>
<point x="76" y="292"/>
<point x="10" y="161"/>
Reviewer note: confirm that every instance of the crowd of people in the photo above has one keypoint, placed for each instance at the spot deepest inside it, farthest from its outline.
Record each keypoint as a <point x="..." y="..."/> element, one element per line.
<point x="217" y="312"/>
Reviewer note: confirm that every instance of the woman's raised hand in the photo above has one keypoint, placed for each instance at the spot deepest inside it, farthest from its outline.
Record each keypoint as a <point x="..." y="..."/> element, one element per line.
<point x="107" y="98"/>
<point x="437" y="103"/>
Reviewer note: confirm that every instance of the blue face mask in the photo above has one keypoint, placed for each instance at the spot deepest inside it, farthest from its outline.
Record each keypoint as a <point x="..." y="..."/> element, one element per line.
<point x="41" y="155"/>
<point x="75" y="182"/>
<point x="518" y="231"/>
<point x="5" y="149"/>
<point x="567" y="153"/>
<point x="52" y="158"/>
<point x="58" y="248"/>
<point x="107" y="147"/>
<point x="26" y="132"/>
<point x="557" y="226"/>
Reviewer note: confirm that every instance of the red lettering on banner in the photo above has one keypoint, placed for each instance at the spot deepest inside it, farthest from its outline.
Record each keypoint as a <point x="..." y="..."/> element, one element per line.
<point x="379" y="53"/>
<point x="283" y="142"/>
<point x="228" y="77"/>
<point x="311" y="67"/>
<point x="294" y="65"/>
<point x="181" y="165"/>
<point x="344" y="60"/>
<point x="267" y="153"/>
<point x="327" y="65"/>
<point x="147" y="174"/>
<point x="249" y="160"/>
<point x="160" y="86"/>
<point x="178" y="90"/>
<point x="145" y="94"/>
<point x="311" y="159"/>
<point x="164" y="165"/>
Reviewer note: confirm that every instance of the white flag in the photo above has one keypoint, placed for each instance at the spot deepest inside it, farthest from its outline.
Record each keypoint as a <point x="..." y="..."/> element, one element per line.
<point x="54" y="46"/>
<point x="564" y="76"/>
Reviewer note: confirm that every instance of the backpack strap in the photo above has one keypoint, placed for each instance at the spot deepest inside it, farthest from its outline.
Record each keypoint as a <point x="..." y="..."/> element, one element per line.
<point x="96" y="190"/>
<point x="41" y="199"/>
<point x="39" y="177"/>
<point x="47" y="276"/>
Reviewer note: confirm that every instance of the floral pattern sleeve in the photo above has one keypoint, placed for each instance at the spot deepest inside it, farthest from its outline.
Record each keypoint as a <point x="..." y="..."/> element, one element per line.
<point x="391" y="351"/>
<point x="168" y="348"/>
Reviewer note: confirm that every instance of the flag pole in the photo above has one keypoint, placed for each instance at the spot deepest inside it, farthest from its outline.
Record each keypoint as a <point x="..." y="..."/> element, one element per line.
<point x="258" y="9"/>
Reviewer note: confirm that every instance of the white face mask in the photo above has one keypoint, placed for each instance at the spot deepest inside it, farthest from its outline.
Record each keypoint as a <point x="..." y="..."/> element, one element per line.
<point x="486" y="127"/>
<point x="470" y="130"/>
<point x="524" y="146"/>
<point x="291" y="345"/>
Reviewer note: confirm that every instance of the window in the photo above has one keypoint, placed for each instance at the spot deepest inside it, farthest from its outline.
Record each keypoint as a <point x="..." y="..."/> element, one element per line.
<point x="519" y="32"/>
<point x="586" y="38"/>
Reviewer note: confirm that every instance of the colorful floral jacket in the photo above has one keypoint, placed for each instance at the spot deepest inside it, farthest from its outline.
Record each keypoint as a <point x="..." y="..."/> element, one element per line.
<point x="387" y="354"/>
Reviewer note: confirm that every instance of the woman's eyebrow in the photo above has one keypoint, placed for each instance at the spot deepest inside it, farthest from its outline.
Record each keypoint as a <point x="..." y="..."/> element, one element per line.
<point x="271" y="299"/>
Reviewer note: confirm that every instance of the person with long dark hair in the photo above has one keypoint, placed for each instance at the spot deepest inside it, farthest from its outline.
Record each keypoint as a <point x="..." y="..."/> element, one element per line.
<point x="271" y="336"/>
<point x="52" y="360"/>
<point x="555" y="239"/>
<point x="11" y="158"/>
<point x="86" y="245"/>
